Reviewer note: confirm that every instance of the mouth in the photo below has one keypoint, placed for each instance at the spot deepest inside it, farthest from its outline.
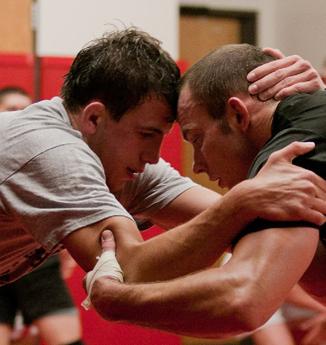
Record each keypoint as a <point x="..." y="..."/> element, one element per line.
<point x="132" y="173"/>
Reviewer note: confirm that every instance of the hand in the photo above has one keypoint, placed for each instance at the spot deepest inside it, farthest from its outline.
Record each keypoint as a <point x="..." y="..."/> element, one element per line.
<point x="315" y="328"/>
<point x="107" y="267"/>
<point x="283" y="77"/>
<point x="107" y="241"/>
<point x="285" y="192"/>
<point x="107" y="264"/>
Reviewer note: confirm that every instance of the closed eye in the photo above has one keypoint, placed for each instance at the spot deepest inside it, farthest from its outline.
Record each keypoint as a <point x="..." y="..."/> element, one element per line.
<point x="148" y="135"/>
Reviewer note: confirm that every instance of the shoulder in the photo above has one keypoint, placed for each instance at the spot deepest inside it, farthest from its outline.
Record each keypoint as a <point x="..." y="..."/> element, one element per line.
<point x="302" y="103"/>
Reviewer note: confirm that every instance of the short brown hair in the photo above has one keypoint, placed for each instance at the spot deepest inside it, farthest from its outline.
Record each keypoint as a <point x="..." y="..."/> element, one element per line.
<point x="121" y="69"/>
<point x="221" y="73"/>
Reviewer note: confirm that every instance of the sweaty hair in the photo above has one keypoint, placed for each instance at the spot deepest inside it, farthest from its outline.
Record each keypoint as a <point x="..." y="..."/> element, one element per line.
<point x="9" y="90"/>
<point x="221" y="74"/>
<point x="121" y="70"/>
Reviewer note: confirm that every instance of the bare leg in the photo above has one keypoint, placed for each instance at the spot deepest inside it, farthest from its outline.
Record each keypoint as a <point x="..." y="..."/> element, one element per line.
<point x="5" y="333"/>
<point x="273" y="335"/>
<point x="59" y="329"/>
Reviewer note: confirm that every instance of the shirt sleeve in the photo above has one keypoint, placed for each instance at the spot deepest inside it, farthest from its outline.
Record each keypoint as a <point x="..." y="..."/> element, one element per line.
<point x="154" y="189"/>
<point x="60" y="190"/>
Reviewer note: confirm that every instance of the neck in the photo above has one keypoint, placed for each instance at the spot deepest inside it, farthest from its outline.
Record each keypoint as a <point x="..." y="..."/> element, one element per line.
<point x="75" y="120"/>
<point x="262" y="113"/>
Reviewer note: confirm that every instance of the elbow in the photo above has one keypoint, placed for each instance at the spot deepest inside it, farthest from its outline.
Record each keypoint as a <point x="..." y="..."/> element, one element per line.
<point x="245" y="306"/>
<point x="237" y="316"/>
<point x="250" y="311"/>
<point x="250" y="316"/>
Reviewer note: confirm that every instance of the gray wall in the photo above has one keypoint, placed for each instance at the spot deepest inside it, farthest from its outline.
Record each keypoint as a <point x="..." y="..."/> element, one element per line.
<point x="301" y="28"/>
<point x="294" y="26"/>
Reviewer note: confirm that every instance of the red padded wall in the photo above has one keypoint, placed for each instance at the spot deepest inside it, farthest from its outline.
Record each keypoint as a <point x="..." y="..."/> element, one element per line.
<point x="52" y="71"/>
<point x="17" y="70"/>
<point x="183" y="65"/>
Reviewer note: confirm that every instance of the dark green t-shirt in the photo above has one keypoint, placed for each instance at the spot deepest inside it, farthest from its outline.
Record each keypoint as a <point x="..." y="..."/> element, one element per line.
<point x="301" y="117"/>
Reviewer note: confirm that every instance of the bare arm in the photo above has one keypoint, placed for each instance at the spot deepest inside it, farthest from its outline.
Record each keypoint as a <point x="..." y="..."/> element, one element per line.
<point x="284" y="77"/>
<point x="281" y="191"/>
<point x="167" y="255"/>
<point x="239" y="296"/>
<point x="185" y="207"/>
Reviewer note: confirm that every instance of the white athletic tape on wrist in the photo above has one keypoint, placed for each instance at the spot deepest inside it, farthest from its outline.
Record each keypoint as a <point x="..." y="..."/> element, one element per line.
<point x="106" y="266"/>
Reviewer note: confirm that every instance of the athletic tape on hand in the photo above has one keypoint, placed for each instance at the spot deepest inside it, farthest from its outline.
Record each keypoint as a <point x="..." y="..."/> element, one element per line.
<point x="106" y="266"/>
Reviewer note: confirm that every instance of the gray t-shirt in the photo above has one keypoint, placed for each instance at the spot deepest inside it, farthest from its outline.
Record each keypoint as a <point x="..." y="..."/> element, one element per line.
<point x="52" y="183"/>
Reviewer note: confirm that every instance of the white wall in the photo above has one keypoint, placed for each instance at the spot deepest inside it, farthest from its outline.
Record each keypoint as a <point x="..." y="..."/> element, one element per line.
<point x="64" y="26"/>
<point x="301" y="28"/>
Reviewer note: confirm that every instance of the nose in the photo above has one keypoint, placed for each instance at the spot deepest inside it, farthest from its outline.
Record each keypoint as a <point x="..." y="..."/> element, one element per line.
<point x="199" y="165"/>
<point x="151" y="155"/>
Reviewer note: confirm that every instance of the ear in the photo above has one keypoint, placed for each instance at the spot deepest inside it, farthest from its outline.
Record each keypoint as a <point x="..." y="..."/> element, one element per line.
<point x="237" y="114"/>
<point x="92" y="115"/>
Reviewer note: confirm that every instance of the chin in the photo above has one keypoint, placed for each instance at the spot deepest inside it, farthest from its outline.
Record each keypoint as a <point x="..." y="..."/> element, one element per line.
<point x="114" y="186"/>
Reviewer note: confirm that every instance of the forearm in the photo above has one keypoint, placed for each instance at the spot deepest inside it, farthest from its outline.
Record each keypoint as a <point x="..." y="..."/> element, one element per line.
<point x="237" y="297"/>
<point x="280" y="192"/>
<point x="191" y="246"/>
<point x="185" y="306"/>
<point x="198" y="243"/>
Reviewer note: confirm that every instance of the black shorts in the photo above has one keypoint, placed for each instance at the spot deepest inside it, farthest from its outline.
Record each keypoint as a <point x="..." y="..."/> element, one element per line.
<point x="39" y="293"/>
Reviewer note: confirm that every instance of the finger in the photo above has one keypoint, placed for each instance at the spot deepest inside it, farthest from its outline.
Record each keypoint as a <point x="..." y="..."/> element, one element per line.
<point x="313" y="216"/>
<point x="272" y="67"/>
<point x="314" y="184"/>
<point x="291" y="151"/>
<point x="305" y="325"/>
<point x="296" y="78"/>
<point x="300" y="70"/>
<point x="301" y="87"/>
<point x="107" y="241"/>
<point x="320" y="206"/>
<point x="320" y="184"/>
<point x="274" y="52"/>
<point x="311" y="337"/>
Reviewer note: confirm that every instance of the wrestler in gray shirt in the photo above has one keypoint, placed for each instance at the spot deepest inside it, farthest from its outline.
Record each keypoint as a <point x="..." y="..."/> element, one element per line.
<point x="57" y="185"/>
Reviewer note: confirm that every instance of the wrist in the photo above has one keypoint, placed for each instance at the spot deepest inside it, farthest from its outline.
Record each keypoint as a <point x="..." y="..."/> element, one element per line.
<point x="242" y="202"/>
<point x="236" y="206"/>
